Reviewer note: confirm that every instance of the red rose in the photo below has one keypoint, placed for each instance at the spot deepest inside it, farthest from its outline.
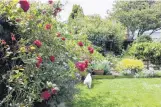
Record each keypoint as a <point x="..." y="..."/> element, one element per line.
<point x="24" y="5"/>
<point x="81" y="66"/>
<point x="91" y="50"/>
<point x="63" y="38"/>
<point x="80" y="44"/>
<point x="50" y="1"/>
<point x="3" y="42"/>
<point x="48" y="26"/>
<point x="58" y="34"/>
<point x="13" y="37"/>
<point x="58" y="9"/>
<point x="38" y="65"/>
<point x="52" y="58"/>
<point x="39" y="59"/>
<point x="38" y="43"/>
<point x="45" y="95"/>
<point x="54" y="91"/>
<point x="18" y="20"/>
<point x="86" y="63"/>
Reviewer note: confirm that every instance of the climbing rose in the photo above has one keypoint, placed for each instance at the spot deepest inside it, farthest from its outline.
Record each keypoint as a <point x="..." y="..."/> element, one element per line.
<point x="13" y="37"/>
<point x="63" y="38"/>
<point x="86" y="63"/>
<point x="50" y="1"/>
<point x="3" y="42"/>
<point x="91" y="50"/>
<point x="54" y="91"/>
<point x="24" y="5"/>
<point x="58" y="34"/>
<point x="39" y="61"/>
<point x="52" y="58"/>
<point x="58" y="9"/>
<point x="18" y="20"/>
<point x="48" y="26"/>
<point x="38" y="43"/>
<point x="81" y="66"/>
<point x="80" y="44"/>
<point x="45" y="95"/>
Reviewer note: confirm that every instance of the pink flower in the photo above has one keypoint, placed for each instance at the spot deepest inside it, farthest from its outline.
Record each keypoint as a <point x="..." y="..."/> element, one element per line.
<point x="52" y="58"/>
<point x="13" y="37"/>
<point x="50" y="1"/>
<point x="48" y="26"/>
<point x="54" y="91"/>
<point x="3" y="42"/>
<point x="81" y="66"/>
<point x="80" y="44"/>
<point x="45" y="95"/>
<point x="37" y="43"/>
<point x="24" y="5"/>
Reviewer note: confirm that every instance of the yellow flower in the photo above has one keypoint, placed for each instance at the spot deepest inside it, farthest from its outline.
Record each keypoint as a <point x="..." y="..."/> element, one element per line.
<point x="32" y="48"/>
<point x="23" y="49"/>
<point x="130" y="64"/>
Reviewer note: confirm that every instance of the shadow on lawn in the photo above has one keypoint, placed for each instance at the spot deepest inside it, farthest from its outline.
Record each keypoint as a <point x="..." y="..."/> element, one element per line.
<point x="100" y="100"/>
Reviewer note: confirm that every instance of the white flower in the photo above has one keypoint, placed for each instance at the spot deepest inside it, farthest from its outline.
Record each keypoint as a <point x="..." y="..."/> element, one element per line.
<point x="18" y="5"/>
<point x="49" y="84"/>
<point x="56" y="88"/>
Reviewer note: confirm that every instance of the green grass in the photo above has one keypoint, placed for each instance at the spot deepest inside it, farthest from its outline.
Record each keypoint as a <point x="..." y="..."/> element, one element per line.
<point x="120" y="93"/>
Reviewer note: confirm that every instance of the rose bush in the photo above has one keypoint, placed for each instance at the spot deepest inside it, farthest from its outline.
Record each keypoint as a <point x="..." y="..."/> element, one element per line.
<point x="44" y="74"/>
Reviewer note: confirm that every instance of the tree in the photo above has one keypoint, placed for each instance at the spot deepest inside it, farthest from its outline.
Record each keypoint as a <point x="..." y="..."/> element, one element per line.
<point x="75" y="19"/>
<point x="77" y="11"/>
<point x="138" y="16"/>
<point x="108" y="34"/>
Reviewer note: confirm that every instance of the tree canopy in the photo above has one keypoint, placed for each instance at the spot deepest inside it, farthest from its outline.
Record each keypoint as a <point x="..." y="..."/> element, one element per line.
<point x="138" y="16"/>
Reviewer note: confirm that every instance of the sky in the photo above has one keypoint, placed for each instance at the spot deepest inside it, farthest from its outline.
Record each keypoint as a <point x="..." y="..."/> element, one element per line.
<point x="89" y="7"/>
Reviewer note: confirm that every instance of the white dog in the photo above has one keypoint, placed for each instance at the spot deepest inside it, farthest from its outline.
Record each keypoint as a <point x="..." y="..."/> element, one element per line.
<point x="88" y="80"/>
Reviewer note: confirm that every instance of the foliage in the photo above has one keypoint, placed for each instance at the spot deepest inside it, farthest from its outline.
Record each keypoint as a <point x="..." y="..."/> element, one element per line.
<point x="44" y="55"/>
<point x="75" y="19"/>
<point x="107" y="34"/>
<point x="130" y="64"/>
<point x="118" y="92"/>
<point x="143" y="38"/>
<point x="138" y="16"/>
<point x="148" y="74"/>
<point x="101" y="65"/>
<point x="147" y="51"/>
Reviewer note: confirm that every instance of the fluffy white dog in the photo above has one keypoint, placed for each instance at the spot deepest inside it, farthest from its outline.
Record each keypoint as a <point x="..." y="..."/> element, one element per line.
<point x="88" y="80"/>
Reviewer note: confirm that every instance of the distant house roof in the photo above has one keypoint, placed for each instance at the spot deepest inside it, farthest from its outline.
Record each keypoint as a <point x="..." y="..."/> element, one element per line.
<point x="155" y="36"/>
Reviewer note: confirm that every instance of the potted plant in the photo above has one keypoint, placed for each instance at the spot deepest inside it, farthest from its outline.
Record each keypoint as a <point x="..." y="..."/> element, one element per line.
<point x="101" y="68"/>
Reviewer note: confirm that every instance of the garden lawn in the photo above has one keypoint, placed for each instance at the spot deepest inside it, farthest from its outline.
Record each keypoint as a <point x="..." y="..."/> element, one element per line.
<point x="120" y="93"/>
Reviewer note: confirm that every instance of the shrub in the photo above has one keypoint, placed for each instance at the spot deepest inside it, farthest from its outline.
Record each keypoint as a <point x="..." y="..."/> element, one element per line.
<point x="133" y="65"/>
<point x="109" y="35"/>
<point x="146" y="51"/>
<point x="44" y="72"/>
<point x="143" y="38"/>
